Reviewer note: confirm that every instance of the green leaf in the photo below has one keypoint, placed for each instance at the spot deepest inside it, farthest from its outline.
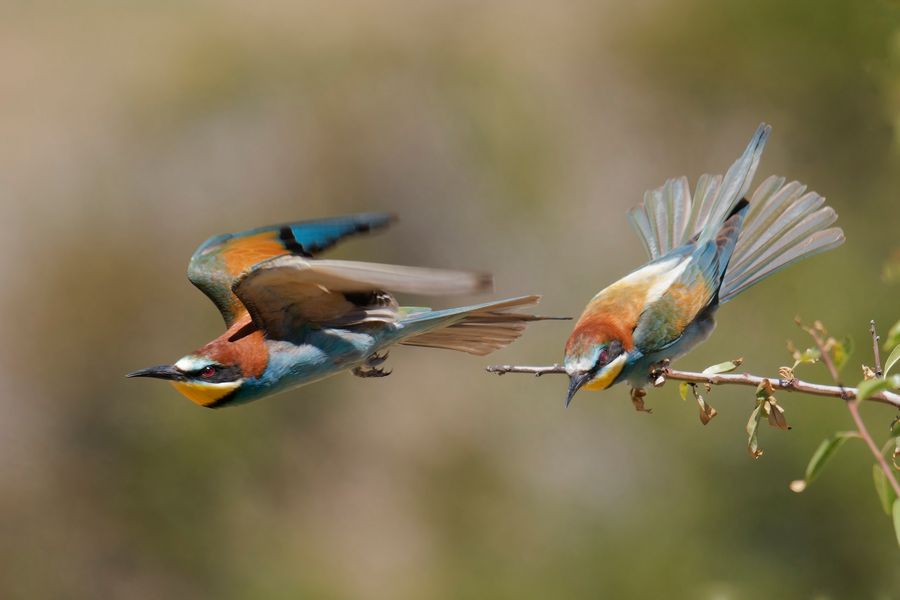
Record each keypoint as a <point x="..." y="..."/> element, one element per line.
<point x="825" y="452"/>
<point x="892" y="359"/>
<point x="890" y="271"/>
<point x="752" y="428"/>
<point x="883" y="488"/>
<point x="897" y="519"/>
<point x="683" y="388"/>
<point x="893" y="337"/>
<point x="896" y="453"/>
<point x="841" y="351"/>
<point x="870" y="387"/>
<point x="724" y="367"/>
<point x="809" y="356"/>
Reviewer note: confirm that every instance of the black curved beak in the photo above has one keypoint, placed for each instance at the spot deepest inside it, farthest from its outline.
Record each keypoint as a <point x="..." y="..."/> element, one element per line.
<point x="160" y="372"/>
<point x="575" y="383"/>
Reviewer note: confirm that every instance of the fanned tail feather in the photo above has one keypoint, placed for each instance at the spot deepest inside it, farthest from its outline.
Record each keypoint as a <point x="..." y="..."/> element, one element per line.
<point x="785" y="223"/>
<point x="662" y="219"/>
<point x="735" y="185"/>
<point x="668" y="218"/>
<point x="477" y="330"/>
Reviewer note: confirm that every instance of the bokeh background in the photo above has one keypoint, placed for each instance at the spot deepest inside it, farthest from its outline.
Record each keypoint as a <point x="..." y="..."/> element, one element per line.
<point x="508" y="136"/>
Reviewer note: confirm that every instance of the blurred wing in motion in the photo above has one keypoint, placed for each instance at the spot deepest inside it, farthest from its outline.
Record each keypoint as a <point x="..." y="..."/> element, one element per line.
<point x="478" y="330"/>
<point x="220" y="259"/>
<point x="286" y="292"/>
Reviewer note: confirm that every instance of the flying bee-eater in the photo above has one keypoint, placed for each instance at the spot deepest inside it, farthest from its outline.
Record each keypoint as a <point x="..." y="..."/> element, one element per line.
<point x="703" y="252"/>
<point x="293" y="319"/>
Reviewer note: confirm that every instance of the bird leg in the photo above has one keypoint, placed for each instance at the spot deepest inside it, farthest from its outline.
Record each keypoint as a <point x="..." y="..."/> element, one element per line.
<point x="657" y="376"/>
<point x="372" y="367"/>
<point x="637" y="398"/>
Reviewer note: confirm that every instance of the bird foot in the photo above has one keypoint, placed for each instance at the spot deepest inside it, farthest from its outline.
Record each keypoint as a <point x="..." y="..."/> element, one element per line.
<point x="637" y="398"/>
<point x="376" y="359"/>
<point x="657" y="375"/>
<point x="366" y="372"/>
<point x="370" y="372"/>
<point x="372" y="367"/>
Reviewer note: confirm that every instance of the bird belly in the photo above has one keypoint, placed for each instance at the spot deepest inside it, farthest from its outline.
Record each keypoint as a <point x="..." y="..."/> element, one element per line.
<point x="638" y="373"/>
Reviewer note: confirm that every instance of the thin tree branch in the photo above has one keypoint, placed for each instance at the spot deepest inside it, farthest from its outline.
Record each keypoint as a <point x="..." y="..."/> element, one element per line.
<point x="793" y="385"/>
<point x="786" y="385"/>
<point x="825" y="355"/>
<point x="850" y="395"/>
<point x="853" y="402"/>
<point x="536" y="371"/>
<point x="853" y="407"/>
<point x="875" y="350"/>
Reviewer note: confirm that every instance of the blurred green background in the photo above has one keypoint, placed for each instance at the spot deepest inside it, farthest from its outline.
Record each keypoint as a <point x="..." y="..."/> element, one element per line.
<point x="508" y="136"/>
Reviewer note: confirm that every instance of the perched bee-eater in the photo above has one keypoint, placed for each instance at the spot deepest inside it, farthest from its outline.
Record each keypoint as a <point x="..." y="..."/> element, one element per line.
<point x="703" y="252"/>
<point x="292" y="319"/>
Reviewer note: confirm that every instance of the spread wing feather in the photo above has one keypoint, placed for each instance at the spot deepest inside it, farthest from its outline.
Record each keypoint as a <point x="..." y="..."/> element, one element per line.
<point x="665" y="318"/>
<point x="220" y="259"/>
<point x="694" y="289"/>
<point x="284" y="293"/>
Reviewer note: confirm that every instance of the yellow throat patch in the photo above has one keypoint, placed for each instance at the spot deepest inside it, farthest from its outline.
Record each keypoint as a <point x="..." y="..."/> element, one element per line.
<point x="607" y="375"/>
<point x="205" y="394"/>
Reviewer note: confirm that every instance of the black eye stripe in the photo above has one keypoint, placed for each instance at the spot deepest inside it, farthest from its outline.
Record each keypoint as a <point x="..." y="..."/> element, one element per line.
<point x="222" y="374"/>
<point x="607" y="355"/>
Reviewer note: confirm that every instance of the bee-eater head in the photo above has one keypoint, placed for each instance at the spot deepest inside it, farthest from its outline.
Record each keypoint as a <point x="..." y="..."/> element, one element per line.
<point x="212" y="375"/>
<point x="592" y="364"/>
<point x="201" y="379"/>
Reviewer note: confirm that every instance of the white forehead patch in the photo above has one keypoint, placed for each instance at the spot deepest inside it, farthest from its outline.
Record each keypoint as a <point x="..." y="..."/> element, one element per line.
<point x="582" y="365"/>
<point x="192" y="363"/>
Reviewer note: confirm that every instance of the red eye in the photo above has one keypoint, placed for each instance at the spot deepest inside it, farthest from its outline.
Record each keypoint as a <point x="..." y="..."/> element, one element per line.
<point x="207" y="372"/>
<point x="601" y="358"/>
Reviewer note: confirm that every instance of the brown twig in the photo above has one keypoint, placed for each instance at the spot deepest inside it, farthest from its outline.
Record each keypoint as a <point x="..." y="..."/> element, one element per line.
<point x="875" y="350"/>
<point x="853" y="401"/>
<point x="793" y="385"/>
<point x="786" y="385"/>
<point x="536" y="371"/>
<point x="853" y="406"/>
<point x="825" y="356"/>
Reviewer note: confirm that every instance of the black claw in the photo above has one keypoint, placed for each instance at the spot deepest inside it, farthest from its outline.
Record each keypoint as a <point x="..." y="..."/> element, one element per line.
<point x="371" y="368"/>
<point x="370" y="372"/>
<point x="376" y="359"/>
